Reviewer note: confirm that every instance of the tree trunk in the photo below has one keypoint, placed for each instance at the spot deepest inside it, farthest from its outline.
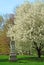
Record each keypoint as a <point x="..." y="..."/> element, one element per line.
<point x="29" y="52"/>
<point x="39" y="53"/>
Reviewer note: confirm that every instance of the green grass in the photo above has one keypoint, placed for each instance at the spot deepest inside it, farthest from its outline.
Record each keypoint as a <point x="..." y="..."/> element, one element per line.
<point x="22" y="60"/>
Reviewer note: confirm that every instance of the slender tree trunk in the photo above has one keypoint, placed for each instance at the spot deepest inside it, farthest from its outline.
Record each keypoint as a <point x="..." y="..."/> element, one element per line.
<point x="29" y="52"/>
<point x="39" y="53"/>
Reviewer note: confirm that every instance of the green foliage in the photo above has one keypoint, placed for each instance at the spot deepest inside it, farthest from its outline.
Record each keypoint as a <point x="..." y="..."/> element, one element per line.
<point x="1" y="19"/>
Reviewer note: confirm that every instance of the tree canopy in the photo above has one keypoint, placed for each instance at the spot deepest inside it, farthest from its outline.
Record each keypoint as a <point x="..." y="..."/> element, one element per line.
<point x="29" y="26"/>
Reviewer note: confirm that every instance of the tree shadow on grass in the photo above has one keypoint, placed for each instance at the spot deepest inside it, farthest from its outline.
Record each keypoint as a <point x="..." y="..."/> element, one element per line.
<point x="31" y="59"/>
<point x="3" y="60"/>
<point x="25" y="59"/>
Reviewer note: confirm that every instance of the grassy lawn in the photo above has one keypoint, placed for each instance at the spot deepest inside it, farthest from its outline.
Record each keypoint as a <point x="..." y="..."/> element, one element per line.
<point x="22" y="60"/>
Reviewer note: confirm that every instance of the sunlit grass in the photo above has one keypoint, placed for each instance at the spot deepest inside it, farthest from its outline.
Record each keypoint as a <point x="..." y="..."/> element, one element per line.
<point x="22" y="60"/>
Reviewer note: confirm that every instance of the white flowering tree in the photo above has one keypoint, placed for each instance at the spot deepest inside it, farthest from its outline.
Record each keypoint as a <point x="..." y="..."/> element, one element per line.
<point x="28" y="30"/>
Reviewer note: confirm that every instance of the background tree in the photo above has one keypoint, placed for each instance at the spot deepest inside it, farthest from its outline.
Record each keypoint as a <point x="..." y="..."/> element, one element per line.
<point x="4" y="40"/>
<point x="1" y="21"/>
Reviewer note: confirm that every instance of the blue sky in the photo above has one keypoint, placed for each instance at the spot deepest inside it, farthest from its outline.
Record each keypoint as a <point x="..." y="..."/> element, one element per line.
<point x="7" y="6"/>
